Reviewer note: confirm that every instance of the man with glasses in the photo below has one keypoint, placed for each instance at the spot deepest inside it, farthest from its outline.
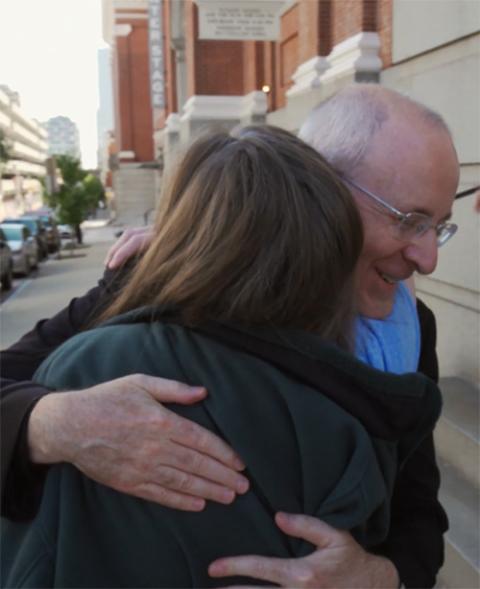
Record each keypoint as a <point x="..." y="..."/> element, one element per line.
<point x="398" y="159"/>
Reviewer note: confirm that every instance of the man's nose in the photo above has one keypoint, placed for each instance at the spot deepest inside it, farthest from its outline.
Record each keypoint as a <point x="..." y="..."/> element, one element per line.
<point x="423" y="252"/>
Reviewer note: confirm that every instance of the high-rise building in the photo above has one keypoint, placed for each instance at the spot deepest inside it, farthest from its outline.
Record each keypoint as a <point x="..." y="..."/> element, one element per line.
<point x="25" y="139"/>
<point x="63" y="137"/>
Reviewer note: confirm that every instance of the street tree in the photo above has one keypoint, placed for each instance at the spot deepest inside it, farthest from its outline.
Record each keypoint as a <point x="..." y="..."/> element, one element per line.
<point x="95" y="190"/>
<point x="78" y="193"/>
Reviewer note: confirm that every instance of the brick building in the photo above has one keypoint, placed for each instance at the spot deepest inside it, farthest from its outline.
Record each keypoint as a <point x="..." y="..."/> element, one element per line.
<point x="132" y="159"/>
<point x="429" y="50"/>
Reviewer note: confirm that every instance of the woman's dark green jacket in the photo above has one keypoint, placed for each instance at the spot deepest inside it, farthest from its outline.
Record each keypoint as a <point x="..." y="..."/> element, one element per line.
<point x="320" y="433"/>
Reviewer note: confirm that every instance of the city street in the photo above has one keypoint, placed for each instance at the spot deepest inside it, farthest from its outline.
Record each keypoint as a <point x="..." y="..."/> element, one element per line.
<point x="50" y="288"/>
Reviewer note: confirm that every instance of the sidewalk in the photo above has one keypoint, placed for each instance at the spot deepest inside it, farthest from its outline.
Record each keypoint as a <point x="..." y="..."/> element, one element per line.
<point x="56" y="282"/>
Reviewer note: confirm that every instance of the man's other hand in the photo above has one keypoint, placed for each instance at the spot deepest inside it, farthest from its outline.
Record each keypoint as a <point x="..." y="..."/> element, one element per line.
<point x="338" y="560"/>
<point x="131" y="242"/>
<point x="120" y="435"/>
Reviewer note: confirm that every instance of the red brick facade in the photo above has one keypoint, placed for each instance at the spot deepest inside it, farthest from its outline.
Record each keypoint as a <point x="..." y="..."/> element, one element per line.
<point x="233" y="68"/>
<point x="309" y="28"/>
<point x="131" y="80"/>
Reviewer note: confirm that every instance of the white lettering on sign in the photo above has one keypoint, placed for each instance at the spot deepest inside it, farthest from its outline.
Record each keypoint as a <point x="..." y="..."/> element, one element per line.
<point x="155" y="38"/>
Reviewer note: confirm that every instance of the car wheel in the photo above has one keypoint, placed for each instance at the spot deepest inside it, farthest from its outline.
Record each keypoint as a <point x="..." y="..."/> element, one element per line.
<point x="7" y="279"/>
<point x="35" y="263"/>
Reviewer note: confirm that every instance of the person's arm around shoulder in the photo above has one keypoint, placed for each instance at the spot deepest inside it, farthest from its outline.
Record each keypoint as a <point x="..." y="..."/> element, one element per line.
<point x="117" y="433"/>
<point x="21" y="480"/>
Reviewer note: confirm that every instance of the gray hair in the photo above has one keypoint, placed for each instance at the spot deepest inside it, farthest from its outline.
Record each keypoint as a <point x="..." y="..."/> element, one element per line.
<point x="342" y="127"/>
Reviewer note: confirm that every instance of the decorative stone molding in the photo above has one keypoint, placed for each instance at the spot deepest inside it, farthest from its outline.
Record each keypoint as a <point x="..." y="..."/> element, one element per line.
<point x="225" y="107"/>
<point x="122" y="30"/>
<point x="354" y="56"/>
<point x="308" y="75"/>
<point x="178" y="45"/>
<point x="172" y="123"/>
<point x="126" y="155"/>
<point x="131" y="16"/>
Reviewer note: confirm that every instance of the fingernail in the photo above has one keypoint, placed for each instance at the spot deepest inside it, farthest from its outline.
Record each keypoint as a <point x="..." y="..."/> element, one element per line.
<point x="198" y="390"/>
<point x="238" y="464"/>
<point x="228" y="496"/>
<point x="216" y="568"/>
<point x="242" y="486"/>
<point x="198" y="504"/>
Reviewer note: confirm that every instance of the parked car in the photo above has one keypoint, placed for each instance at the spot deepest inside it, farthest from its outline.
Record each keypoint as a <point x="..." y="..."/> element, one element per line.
<point x="36" y="228"/>
<point x="66" y="231"/>
<point x="6" y="263"/>
<point x="52" y="234"/>
<point x="23" y="245"/>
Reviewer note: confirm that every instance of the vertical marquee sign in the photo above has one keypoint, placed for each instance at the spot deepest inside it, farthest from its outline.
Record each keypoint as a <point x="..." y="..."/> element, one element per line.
<point x="155" y="37"/>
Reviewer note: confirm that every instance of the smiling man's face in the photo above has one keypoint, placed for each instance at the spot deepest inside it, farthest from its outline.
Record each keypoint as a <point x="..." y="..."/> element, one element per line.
<point x="413" y="167"/>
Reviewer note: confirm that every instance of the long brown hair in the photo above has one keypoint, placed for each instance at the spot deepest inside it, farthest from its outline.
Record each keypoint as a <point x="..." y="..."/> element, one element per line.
<point x="255" y="229"/>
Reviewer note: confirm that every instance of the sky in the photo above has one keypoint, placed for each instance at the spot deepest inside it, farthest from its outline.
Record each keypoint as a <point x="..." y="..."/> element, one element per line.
<point x="48" y="54"/>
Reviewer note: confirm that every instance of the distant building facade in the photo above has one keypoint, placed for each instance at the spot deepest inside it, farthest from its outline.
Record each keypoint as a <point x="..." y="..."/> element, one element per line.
<point x="63" y="137"/>
<point x="133" y="162"/>
<point x="26" y="141"/>
<point x="105" y="119"/>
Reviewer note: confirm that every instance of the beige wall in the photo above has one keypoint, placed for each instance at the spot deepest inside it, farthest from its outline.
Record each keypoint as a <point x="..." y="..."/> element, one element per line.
<point x="448" y="80"/>
<point x="421" y="25"/>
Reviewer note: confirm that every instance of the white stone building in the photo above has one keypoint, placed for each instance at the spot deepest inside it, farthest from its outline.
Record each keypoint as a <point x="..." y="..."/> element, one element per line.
<point x="20" y="187"/>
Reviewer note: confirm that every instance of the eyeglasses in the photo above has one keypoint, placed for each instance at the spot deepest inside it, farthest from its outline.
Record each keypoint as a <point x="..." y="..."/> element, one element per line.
<point x="410" y="226"/>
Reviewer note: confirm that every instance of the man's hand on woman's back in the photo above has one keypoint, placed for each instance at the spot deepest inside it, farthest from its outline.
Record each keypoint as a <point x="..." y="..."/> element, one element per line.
<point x="119" y="434"/>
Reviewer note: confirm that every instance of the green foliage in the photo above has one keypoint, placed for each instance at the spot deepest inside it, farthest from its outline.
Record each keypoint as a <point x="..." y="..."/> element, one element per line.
<point x="4" y="151"/>
<point x="94" y="189"/>
<point x="79" y="193"/>
<point x="50" y="199"/>
<point x="70" y="169"/>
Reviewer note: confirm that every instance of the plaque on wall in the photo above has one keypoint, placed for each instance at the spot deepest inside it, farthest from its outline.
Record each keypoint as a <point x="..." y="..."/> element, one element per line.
<point x="241" y="20"/>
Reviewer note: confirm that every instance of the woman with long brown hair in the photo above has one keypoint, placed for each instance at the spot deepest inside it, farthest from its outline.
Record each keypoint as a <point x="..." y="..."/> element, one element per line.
<point x="247" y="289"/>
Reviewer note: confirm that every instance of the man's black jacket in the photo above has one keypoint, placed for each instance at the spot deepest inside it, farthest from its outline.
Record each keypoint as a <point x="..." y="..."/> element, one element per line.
<point x="415" y="541"/>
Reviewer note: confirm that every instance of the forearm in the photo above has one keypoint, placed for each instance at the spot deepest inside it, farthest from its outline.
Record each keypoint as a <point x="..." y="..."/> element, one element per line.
<point x="21" y="480"/>
<point x="19" y="476"/>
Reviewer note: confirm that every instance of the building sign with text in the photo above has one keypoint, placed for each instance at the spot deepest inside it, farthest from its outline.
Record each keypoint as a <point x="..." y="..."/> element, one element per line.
<point x="241" y="20"/>
<point x="155" y="36"/>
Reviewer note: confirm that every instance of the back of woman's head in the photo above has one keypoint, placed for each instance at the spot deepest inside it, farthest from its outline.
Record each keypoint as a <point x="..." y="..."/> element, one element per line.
<point x="253" y="229"/>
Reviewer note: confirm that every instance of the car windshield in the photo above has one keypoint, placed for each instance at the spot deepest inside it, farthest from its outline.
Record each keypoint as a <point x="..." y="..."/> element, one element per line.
<point x="30" y="223"/>
<point x="12" y="233"/>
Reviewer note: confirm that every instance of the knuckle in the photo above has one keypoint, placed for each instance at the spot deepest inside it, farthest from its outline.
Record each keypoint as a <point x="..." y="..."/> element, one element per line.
<point x="163" y="420"/>
<point x="191" y="461"/>
<point x="187" y="429"/>
<point x="301" y="576"/>
<point x="168" y="478"/>
<point x="174" y="386"/>
<point x="185" y="482"/>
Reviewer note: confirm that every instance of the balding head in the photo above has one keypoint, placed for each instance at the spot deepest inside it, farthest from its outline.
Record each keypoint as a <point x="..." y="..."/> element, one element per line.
<point x="402" y="153"/>
<point x="343" y="127"/>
